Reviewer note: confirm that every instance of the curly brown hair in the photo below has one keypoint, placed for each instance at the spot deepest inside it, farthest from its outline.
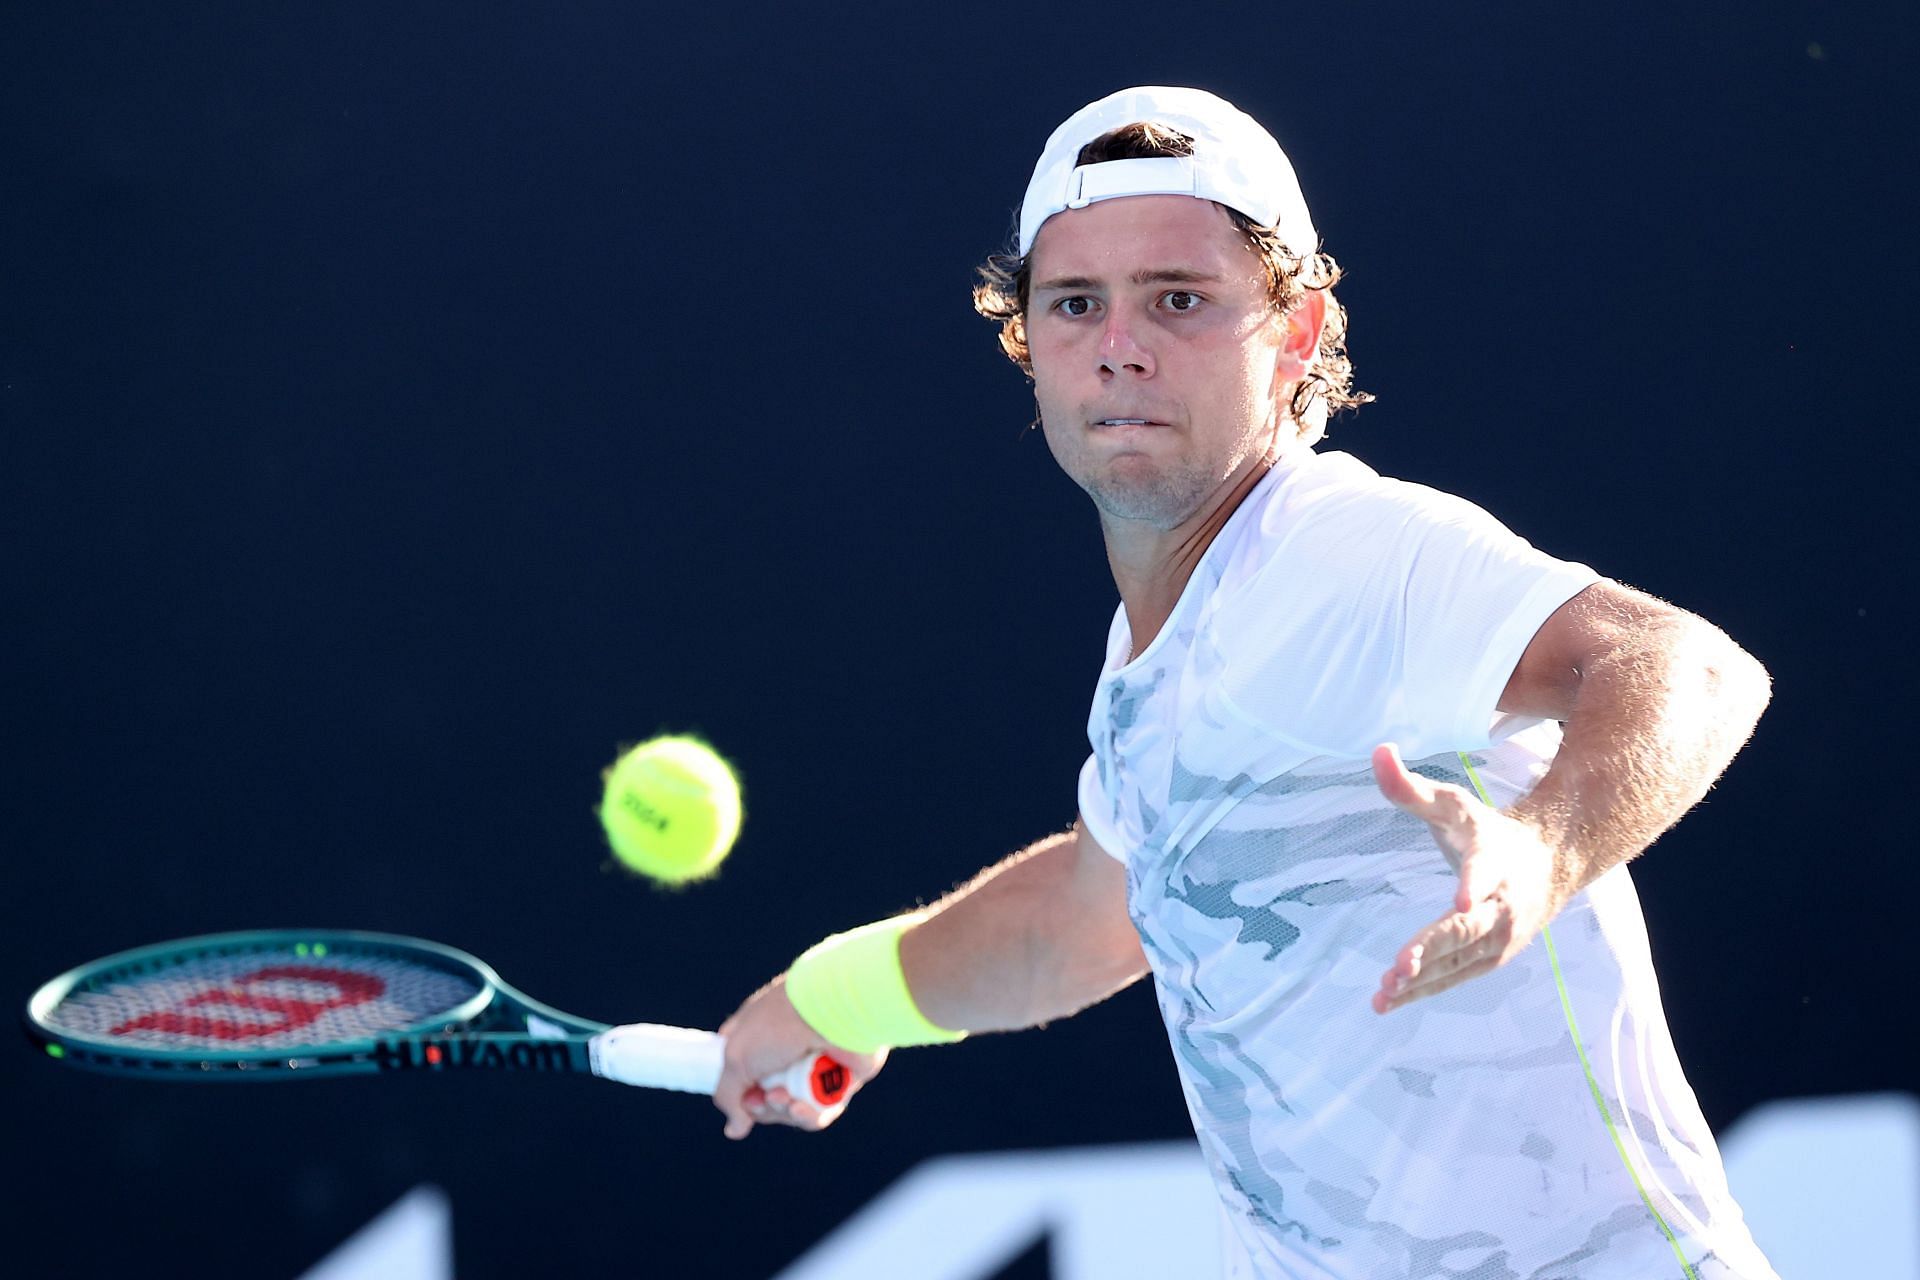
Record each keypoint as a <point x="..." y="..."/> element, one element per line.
<point x="1327" y="386"/>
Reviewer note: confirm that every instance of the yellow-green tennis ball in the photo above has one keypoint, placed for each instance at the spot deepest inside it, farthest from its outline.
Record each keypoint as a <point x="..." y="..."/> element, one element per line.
<point x="671" y="809"/>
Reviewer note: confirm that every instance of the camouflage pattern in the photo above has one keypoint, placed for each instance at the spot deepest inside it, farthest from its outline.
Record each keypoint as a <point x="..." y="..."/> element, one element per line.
<point x="1458" y="1137"/>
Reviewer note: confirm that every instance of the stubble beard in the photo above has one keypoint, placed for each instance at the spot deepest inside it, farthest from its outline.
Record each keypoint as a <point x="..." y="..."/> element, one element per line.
<point x="1160" y="495"/>
<point x="1159" y="490"/>
<point x="1161" y="498"/>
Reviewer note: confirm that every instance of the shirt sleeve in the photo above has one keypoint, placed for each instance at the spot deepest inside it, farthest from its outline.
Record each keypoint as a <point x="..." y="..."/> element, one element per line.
<point x="1389" y="612"/>
<point x="1096" y="810"/>
<point x="1476" y="594"/>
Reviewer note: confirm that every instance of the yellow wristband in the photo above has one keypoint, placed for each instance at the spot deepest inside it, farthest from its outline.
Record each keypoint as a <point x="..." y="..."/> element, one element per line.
<point x="851" y="990"/>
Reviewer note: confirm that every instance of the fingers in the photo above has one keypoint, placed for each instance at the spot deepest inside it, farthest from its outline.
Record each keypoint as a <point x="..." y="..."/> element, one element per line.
<point x="758" y="1106"/>
<point x="761" y="1030"/>
<point x="746" y="1101"/>
<point x="754" y="1105"/>
<point x="1405" y="789"/>
<point x="739" y="1095"/>
<point x="764" y="1039"/>
<point x="1444" y="806"/>
<point x="1457" y="947"/>
<point x="798" y="1112"/>
<point x="1434" y="981"/>
<point x="738" y="1108"/>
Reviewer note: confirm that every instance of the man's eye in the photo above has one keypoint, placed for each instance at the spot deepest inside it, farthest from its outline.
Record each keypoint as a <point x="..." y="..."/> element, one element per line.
<point x="1181" y="300"/>
<point x="1075" y="306"/>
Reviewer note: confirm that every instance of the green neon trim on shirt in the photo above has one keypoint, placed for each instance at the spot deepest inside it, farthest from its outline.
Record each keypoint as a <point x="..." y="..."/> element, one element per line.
<point x="1579" y="1047"/>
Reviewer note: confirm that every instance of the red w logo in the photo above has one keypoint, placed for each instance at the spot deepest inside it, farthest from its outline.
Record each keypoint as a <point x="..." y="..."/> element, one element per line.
<point x="829" y="1080"/>
<point x="290" y="1011"/>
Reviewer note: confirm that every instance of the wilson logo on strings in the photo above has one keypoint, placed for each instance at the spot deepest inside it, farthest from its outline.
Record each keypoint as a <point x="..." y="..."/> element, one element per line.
<point x="250" y="992"/>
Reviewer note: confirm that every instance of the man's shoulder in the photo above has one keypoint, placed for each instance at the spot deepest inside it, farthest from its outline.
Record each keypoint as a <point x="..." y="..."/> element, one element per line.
<point x="1333" y="512"/>
<point x="1335" y="548"/>
<point x="1338" y="487"/>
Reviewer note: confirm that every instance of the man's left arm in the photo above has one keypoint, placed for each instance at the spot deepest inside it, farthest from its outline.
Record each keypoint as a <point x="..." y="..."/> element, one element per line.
<point x="1655" y="703"/>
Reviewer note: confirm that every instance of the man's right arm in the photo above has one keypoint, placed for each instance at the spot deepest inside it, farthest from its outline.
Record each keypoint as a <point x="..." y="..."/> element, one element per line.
<point x="1038" y="936"/>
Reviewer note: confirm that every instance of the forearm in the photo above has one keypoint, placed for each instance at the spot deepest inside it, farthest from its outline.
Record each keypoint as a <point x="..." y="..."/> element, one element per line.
<point x="1656" y="718"/>
<point x="1041" y="935"/>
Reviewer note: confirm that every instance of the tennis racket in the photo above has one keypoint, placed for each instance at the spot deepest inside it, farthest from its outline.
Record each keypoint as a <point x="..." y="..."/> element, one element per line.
<point x="297" y="1004"/>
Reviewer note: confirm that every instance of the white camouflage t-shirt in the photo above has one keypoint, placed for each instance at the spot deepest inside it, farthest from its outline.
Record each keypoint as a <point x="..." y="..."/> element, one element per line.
<point x="1272" y="884"/>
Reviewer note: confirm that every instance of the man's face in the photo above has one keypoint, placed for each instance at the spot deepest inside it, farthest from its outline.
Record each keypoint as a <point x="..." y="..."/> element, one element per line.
<point x="1157" y="360"/>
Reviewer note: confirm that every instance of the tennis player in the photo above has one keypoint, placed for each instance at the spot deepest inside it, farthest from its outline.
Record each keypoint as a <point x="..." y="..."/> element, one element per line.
<point x="1366" y="772"/>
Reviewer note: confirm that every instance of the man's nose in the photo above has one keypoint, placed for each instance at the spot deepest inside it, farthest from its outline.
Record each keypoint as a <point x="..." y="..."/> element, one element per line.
<point x="1121" y="350"/>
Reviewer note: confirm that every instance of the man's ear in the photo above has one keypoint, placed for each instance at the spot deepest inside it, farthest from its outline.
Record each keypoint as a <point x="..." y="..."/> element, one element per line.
<point x="1299" y="340"/>
<point x="1302" y="338"/>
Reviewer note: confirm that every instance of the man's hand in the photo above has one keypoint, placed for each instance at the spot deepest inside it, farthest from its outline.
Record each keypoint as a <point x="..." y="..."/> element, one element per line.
<point x="764" y="1036"/>
<point x="1511" y="885"/>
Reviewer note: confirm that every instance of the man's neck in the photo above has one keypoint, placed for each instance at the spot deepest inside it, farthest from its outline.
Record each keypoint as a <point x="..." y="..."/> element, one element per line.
<point x="1151" y="566"/>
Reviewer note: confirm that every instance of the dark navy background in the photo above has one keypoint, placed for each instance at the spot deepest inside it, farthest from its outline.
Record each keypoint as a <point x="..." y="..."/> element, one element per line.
<point x="405" y="406"/>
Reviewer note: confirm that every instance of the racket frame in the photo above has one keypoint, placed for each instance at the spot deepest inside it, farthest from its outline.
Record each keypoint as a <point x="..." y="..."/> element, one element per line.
<point x="473" y="1033"/>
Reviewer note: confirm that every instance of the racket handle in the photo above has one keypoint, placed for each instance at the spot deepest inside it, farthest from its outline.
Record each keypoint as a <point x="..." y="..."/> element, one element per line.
<point x="660" y="1057"/>
<point x="820" y="1081"/>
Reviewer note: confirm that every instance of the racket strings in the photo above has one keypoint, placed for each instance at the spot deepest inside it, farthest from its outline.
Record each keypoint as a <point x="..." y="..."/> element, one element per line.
<point x="261" y="998"/>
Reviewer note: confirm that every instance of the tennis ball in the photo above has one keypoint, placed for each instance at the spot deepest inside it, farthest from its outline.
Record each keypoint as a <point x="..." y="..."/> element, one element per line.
<point x="671" y="809"/>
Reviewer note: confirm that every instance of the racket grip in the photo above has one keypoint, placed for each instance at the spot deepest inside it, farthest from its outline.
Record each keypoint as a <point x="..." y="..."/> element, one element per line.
<point x="658" y="1057"/>
<point x="661" y="1057"/>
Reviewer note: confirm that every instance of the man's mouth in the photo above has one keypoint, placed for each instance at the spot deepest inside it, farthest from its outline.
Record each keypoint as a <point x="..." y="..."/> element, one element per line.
<point x="1127" y="422"/>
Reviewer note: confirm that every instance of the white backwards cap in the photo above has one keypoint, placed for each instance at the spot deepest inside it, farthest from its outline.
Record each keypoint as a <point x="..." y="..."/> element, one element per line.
<point x="1234" y="162"/>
